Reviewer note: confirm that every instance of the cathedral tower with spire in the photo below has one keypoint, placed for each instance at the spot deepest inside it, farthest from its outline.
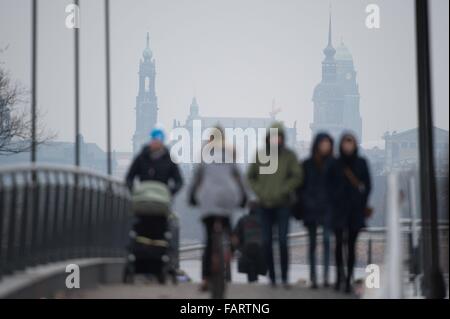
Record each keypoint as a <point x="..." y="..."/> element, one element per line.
<point x="146" y="100"/>
<point x="336" y="97"/>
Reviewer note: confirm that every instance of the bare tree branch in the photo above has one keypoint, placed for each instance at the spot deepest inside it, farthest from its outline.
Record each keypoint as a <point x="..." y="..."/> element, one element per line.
<point x="15" y="123"/>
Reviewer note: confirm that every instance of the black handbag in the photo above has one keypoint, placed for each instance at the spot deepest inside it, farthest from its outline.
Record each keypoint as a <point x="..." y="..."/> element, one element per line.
<point x="297" y="204"/>
<point x="355" y="182"/>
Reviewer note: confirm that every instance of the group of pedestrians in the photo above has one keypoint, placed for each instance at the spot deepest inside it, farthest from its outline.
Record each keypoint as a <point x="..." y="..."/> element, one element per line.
<point x="334" y="197"/>
<point x="325" y="191"/>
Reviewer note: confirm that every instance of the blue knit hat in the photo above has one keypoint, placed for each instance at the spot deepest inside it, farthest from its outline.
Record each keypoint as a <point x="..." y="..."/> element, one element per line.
<point x="157" y="134"/>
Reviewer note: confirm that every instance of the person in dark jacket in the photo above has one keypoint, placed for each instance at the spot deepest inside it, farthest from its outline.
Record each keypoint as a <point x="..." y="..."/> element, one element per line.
<point x="316" y="200"/>
<point x="351" y="189"/>
<point x="155" y="164"/>
<point x="249" y="243"/>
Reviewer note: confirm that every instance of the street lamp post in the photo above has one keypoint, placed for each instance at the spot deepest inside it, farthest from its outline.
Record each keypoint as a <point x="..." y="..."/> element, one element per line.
<point x="434" y="286"/>
<point x="108" y="91"/>
<point x="33" y="79"/>
<point x="77" y="92"/>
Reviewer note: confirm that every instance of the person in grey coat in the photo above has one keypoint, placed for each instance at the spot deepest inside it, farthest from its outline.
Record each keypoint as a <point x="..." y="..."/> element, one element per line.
<point x="217" y="190"/>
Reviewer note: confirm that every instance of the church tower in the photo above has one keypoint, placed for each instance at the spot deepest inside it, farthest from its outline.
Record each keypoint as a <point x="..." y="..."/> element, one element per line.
<point x="146" y="100"/>
<point x="328" y="97"/>
<point x="336" y="98"/>
<point x="346" y="76"/>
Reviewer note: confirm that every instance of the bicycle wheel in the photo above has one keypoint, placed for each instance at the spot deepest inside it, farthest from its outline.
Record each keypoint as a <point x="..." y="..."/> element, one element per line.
<point x="217" y="278"/>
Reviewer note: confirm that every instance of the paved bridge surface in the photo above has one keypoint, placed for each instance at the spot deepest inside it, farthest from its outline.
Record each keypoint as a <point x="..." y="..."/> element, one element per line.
<point x="145" y="290"/>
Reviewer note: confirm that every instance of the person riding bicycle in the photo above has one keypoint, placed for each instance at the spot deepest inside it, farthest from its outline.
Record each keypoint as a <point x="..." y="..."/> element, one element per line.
<point x="217" y="189"/>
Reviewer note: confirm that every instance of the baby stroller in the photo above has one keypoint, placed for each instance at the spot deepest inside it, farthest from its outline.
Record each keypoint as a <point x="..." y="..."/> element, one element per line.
<point x="153" y="242"/>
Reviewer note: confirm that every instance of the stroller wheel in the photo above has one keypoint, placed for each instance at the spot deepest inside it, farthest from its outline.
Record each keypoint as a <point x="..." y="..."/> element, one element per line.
<point x="173" y="275"/>
<point x="128" y="274"/>
<point x="162" y="275"/>
<point x="174" y="279"/>
<point x="162" y="278"/>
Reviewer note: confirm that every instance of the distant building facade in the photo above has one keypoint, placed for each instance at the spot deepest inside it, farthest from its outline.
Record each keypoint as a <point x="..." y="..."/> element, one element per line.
<point x="146" y="100"/>
<point x="336" y="98"/>
<point x="123" y="163"/>
<point x="63" y="153"/>
<point x="402" y="150"/>
<point x="243" y="123"/>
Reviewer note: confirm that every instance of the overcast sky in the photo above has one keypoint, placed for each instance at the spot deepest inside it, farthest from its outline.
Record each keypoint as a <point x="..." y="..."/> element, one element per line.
<point x="234" y="55"/>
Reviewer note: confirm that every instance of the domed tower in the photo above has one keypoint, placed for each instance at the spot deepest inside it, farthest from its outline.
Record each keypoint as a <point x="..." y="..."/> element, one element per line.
<point x="346" y="76"/>
<point x="146" y="100"/>
<point x="328" y="96"/>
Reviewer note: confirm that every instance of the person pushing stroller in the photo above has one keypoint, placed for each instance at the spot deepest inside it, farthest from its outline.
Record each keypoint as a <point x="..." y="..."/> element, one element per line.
<point x="151" y="245"/>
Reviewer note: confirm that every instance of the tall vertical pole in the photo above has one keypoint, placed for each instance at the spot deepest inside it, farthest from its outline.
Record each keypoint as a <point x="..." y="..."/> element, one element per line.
<point x="434" y="286"/>
<point x="77" y="91"/>
<point x="108" y="91"/>
<point x="33" y="80"/>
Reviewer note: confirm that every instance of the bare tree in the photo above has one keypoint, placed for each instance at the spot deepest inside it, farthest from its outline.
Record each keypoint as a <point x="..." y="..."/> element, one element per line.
<point x="15" y="121"/>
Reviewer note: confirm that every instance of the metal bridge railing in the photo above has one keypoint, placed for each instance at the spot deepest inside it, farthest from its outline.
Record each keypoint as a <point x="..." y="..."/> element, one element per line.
<point x="53" y="213"/>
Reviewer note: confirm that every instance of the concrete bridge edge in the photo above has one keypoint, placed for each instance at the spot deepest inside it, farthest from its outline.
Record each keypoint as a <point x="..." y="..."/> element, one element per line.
<point x="46" y="281"/>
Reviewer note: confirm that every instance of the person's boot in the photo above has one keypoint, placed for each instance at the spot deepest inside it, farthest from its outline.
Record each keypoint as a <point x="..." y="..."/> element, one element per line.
<point x="326" y="281"/>
<point x="337" y="286"/>
<point x="348" y="287"/>
<point x="203" y="286"/>
<point x="339" y="279"/>
<point x="313" y="283"/>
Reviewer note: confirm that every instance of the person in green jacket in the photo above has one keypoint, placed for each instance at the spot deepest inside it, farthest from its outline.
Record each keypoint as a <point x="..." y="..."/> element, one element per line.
<point x="274" y="189"/>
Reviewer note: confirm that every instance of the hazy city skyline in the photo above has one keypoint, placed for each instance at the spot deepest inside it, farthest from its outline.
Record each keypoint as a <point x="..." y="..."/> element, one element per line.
<point x="234" y="56"/>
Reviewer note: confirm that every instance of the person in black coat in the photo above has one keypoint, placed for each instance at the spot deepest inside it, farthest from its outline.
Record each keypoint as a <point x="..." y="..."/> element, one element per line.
<point x="154" y="163"/>
<point x="316" y="201"/>
<point x="352" y="186"/>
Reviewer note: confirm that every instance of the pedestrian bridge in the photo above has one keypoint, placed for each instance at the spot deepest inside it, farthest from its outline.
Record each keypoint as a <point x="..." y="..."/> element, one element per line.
<point x="54" y="217"/>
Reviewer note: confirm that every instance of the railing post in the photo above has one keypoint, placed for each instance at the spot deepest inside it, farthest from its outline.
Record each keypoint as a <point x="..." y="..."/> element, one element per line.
<point x="109" y="220"/>
<point x="103" y="217"/>
<point x="46" y="230"/>
<point x="95" y="216"/>
<point x="57" y="211"/>
<point x="99" y="216"/>
<point x="69" y="232"/>
<point x="34" y="217"/>
<point x="88" y="224"/>
<point x="23" y="234"/>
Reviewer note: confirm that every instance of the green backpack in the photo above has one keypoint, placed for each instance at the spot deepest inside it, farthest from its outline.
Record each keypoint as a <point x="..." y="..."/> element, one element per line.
<point x="151" y="198"/>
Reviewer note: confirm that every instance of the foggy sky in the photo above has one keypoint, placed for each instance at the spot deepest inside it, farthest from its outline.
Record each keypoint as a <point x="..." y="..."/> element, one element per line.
<point x="234" y="55"/>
